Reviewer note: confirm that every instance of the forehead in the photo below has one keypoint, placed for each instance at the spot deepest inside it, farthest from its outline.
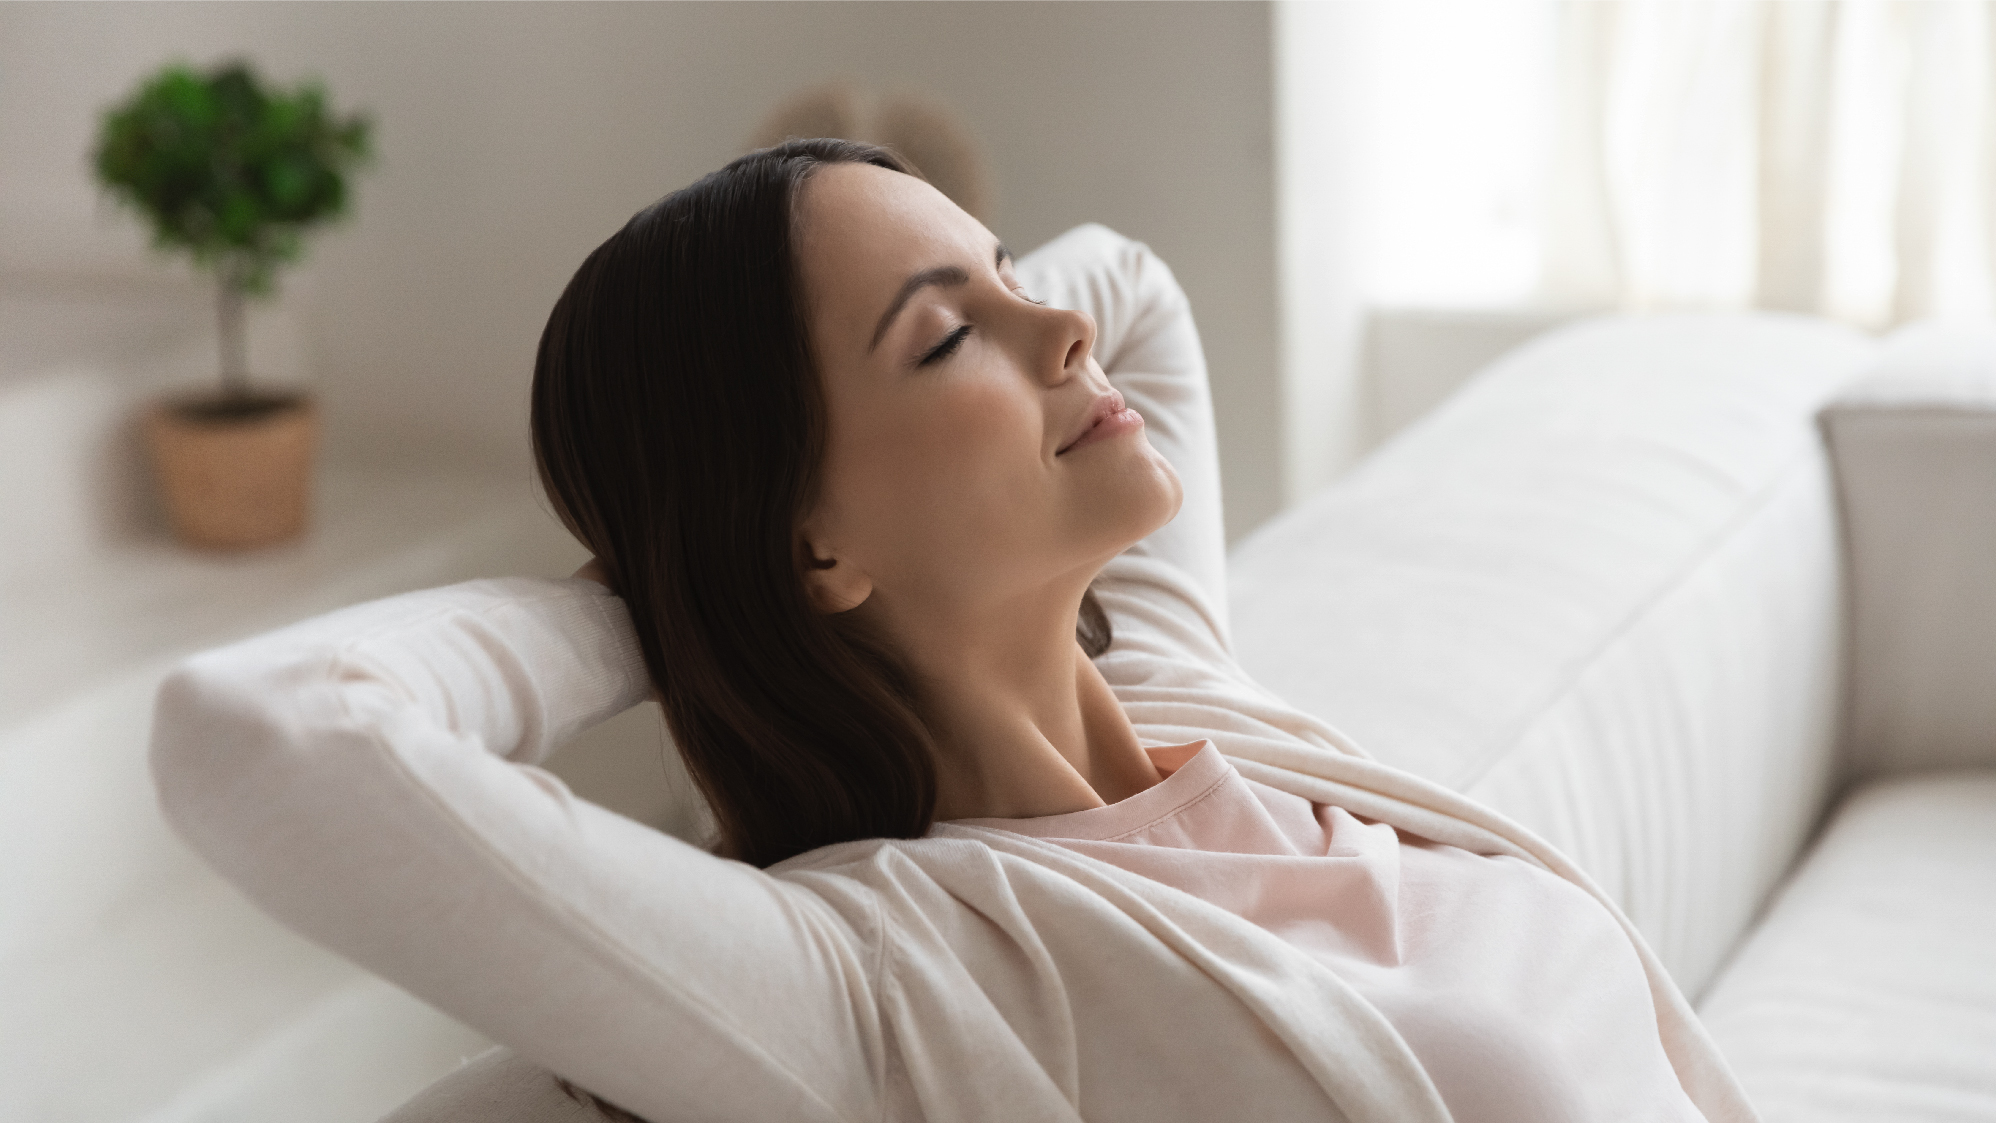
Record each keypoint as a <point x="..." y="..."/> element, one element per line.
<point x="861" y="230"/>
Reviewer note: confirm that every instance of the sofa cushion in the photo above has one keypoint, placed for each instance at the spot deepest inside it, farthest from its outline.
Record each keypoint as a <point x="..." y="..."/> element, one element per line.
<point x="1599" y="590"/>
<point x="1869" y="991"/>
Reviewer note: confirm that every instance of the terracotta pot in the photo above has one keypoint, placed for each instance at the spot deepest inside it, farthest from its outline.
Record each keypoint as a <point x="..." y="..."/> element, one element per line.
<point x="236" y="472"/>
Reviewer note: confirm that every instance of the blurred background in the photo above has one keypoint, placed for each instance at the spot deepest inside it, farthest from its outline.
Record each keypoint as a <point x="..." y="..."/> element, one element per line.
<point x="1366" y="202"/>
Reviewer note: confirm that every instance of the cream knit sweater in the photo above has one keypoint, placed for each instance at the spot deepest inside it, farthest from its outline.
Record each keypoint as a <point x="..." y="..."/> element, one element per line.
<point x="370" y="778"/>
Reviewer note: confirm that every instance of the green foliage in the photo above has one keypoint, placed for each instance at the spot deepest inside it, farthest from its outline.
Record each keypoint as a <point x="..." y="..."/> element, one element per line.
<point x="228" y="170"/>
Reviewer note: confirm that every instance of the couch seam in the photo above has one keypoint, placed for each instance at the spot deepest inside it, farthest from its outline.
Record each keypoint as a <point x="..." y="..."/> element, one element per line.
<point x="1846" y="413"/>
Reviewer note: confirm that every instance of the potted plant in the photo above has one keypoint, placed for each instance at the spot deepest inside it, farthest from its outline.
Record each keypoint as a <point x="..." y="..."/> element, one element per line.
<point x="233" y="174"/>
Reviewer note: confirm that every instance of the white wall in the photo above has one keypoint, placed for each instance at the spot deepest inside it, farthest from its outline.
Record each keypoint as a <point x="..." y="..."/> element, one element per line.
<point x="1411" y="359"/>
<point x="513" y="138"/>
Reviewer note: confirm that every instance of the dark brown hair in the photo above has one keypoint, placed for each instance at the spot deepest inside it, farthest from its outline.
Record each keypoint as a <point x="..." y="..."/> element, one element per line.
<point x="679" y="427"/>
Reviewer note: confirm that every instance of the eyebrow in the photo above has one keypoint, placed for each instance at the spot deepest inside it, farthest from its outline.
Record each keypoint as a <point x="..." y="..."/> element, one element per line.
<point x="940" y="275"/>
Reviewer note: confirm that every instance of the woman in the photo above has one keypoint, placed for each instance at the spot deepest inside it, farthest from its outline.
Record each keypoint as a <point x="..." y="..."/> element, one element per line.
<point x="924" y="564"/>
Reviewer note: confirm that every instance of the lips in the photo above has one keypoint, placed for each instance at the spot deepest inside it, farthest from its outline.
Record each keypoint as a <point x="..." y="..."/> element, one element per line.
<point x="1103" y="406"/>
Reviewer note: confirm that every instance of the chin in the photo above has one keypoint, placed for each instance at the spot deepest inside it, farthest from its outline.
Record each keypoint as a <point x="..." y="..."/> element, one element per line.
<point x="1171" y="490"/>
<point x="1147" y="501"/>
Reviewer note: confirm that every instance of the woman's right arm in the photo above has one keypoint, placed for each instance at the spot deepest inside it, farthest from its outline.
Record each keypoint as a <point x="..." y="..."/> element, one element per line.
<point x="371" y="778"/>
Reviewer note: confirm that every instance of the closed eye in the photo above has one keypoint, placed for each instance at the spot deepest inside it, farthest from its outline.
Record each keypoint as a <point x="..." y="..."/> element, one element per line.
<point x="955" y="339"/>
<point x="944" y="349"/>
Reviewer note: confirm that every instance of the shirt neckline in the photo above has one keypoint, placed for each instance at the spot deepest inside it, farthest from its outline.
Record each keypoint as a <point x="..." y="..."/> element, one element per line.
<point x="1190" y="775"/>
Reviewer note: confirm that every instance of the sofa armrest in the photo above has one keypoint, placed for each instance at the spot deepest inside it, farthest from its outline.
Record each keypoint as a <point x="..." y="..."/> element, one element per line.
<point x="1913" y="447"/>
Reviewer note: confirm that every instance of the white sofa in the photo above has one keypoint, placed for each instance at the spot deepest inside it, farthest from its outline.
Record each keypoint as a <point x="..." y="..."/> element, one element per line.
<point x="1709" y="602"/>
<point x="1623" y="589"/>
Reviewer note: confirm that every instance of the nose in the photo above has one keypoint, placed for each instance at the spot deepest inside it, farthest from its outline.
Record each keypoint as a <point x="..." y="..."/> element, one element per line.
<point x="1071" y="336"/>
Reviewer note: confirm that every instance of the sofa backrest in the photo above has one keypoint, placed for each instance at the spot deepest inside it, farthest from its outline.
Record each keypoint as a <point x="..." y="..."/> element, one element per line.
<point x="1599" y="589"/>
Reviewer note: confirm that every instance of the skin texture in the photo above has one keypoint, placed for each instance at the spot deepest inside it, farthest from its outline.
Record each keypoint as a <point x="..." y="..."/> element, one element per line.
<point x="946" y="521"/>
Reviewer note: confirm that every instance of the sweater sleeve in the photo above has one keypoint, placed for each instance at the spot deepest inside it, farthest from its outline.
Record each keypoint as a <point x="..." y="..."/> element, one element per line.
<point x="371" y="778"/>
<point x="1149" y="347"/>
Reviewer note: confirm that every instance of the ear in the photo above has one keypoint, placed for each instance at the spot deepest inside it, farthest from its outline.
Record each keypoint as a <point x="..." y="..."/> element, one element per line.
<point x="833" y="585"/>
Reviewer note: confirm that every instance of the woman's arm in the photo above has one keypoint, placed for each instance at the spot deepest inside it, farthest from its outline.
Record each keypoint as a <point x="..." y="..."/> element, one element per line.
<point x="1149" y="347"/>
<point x="371" y="778"/>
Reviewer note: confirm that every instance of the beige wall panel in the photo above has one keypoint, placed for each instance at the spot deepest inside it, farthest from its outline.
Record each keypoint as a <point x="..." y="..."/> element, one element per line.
<point x="515" y="137"/>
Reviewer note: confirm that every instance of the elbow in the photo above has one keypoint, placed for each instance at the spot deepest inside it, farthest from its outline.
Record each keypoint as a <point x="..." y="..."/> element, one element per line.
<point x="215" y="750"/>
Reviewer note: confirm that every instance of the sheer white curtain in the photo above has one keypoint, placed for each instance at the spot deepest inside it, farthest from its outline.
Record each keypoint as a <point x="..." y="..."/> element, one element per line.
<point x="1449" y="146"/>
<point x="1821" y="156"/>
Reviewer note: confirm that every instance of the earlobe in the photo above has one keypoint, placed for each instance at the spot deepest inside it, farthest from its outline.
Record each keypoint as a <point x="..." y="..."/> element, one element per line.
<point x="832" y="586"/>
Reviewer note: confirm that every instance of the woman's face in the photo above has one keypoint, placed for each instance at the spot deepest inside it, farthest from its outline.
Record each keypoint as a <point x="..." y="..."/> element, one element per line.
<point x="946" y="490"/>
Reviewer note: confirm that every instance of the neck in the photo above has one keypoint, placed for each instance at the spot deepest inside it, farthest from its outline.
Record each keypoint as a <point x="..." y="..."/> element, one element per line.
<point x="1024" y="724"/>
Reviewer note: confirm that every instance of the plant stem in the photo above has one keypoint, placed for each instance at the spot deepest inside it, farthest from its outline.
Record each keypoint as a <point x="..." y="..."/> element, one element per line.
<point x="229" y="321"/>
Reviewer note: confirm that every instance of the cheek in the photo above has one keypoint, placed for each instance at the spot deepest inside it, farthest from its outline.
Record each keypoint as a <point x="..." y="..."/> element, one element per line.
<point x="955" y="470"/>
<point x="976" y="455"/>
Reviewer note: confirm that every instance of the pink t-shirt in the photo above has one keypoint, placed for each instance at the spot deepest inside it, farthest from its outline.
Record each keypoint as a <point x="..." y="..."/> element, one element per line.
<point x="1518" y="993"/>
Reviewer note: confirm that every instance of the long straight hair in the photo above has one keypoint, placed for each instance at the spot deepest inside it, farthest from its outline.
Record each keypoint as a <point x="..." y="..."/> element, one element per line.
<point x="679" y="427"/>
